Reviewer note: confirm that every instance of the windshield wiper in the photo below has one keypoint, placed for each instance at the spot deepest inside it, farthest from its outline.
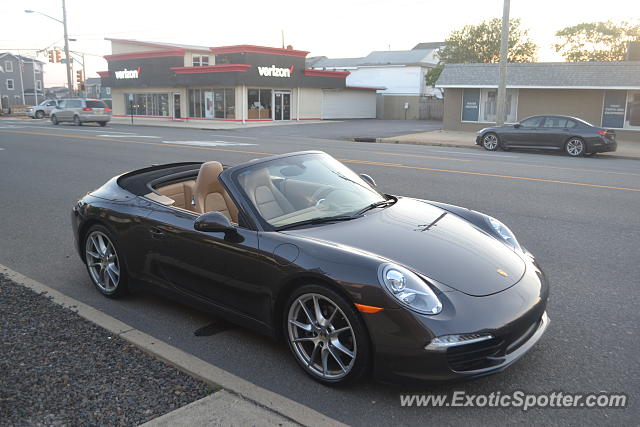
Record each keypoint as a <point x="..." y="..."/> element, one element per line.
<point x="381" y="203"/>
<point x="314" y="221"/>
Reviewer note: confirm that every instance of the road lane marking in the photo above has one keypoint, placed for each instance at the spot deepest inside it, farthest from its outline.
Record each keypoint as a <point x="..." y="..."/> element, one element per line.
<point x="366" y="162"/>
<point x="516" y="164"/>
<point x="232" y="136"/>
<point x="523" y="178"/>
<point x="475" y="154"/>
<point x="420" y="156"/>
<point x="129" y="136"/>
<point x="207" y="143"/>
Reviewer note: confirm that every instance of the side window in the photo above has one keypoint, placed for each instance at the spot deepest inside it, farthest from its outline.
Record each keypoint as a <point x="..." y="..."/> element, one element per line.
<point x="51" y="104"/>
<point x="531" y="122"/>
<point x="61" y="104"/>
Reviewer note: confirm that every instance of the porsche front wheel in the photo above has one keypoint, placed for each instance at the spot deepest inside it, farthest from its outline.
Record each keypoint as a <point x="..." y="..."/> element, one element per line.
<point x="326" y="335"/>
<point x="103" y="262"/>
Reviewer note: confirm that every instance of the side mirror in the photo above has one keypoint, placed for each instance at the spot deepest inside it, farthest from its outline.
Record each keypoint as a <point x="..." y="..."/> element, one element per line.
<point x="517" y="125"/>
<point x="214" y="222"/>
<point x="368" y="179"/>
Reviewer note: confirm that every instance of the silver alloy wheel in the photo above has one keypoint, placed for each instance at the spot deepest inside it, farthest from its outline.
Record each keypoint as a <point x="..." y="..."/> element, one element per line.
<point x="321" y="336"/>
<point x="76" y="121"/>
<point x="490" y="141"/>
<point x="54" y="119"/>
<point x="39" y="114"/>
<point x="102" y="262"/>
<point x="575" y="147"/>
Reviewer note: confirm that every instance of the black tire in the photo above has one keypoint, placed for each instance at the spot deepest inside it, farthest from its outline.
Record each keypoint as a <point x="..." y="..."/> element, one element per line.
<point x="103" y="124"/>
<point x="76" y="121"/>
<point x="490" y="141"/>
<point x="121" y="288"/>
<point x="39" y="114"/>
<point x="54" y="119"/>
<point x="355" y="340"/>
<point x="575" y="147"/>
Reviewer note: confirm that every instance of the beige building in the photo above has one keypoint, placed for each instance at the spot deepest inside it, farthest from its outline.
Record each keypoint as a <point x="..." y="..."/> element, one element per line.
<point x="605" y="94"/>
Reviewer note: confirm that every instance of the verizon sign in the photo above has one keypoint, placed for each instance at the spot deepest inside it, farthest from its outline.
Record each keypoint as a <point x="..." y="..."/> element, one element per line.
<point x="273" y="71"/>
<point x="128" y="74"/>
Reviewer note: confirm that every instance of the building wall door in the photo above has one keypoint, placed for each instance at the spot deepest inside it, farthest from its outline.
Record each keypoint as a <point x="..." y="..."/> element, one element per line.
<point x="176" y="106"/>
<point x="281" y="105"/>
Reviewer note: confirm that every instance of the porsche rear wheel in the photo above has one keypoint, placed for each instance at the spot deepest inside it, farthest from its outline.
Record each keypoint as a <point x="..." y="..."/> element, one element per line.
<point x="326" y="335"/>
<point x="103" y="263"/>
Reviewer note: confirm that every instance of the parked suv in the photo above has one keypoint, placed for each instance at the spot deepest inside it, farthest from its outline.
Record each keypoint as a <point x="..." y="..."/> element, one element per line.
<point x="81" y="110"/>
<point x="43" y="109"/>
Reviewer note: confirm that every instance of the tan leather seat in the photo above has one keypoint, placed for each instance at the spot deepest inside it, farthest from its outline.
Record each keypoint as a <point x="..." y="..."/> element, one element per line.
<point x="209" y="195"/>
<point x="270" y="202"/>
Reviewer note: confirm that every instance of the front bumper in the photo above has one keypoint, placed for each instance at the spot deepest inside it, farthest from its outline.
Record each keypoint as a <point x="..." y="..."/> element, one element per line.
<point x="515" y="318"/>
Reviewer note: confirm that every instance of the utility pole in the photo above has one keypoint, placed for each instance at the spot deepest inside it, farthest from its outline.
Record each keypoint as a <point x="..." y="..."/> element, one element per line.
<point x="504" y="50"/>
<point x="66" y="47"/>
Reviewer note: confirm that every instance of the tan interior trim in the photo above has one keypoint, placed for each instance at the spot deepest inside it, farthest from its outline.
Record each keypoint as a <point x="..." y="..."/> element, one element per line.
<point x="167" y="201"/>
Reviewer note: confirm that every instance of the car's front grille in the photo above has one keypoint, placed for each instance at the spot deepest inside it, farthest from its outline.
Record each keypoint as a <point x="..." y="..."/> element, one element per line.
<point x="489" y="353"/>
<point x="475" y="356"/>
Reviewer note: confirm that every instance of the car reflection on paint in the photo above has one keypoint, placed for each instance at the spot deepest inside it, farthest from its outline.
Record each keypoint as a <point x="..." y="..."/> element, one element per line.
<point x="300" y="247"/>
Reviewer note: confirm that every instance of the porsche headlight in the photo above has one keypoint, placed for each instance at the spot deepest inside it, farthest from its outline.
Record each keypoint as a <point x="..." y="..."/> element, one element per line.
<point x="504" y="232"/>
<point x="409" y="289"/>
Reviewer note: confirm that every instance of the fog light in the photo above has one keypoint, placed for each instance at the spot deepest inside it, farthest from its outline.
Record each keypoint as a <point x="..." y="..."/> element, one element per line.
<point x="446" y="341"/>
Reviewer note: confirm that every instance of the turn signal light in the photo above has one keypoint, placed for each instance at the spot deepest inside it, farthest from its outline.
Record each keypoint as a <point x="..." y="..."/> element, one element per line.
<point x="370" y="309"/>
<point x="107" y="109"/>
<point x="87" y="109"/>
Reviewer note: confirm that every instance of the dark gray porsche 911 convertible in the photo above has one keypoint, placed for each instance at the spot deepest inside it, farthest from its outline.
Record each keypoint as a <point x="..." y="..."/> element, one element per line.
<point x="299" y="246"/>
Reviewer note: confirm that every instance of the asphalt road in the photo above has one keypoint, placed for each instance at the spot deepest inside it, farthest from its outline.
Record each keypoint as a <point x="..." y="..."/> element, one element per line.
<point x="580" y="217"/>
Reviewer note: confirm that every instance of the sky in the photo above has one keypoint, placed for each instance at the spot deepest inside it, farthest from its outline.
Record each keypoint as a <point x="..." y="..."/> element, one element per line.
<point x="345" y="28"/>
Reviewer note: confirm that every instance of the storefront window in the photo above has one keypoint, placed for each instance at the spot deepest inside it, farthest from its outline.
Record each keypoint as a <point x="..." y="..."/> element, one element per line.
<point x="212" y="103"/>
<point x="259" y="103"/>
<point x="632" y="119"/>
<point x="480" y="105"/>
<point x="147" y="104"/>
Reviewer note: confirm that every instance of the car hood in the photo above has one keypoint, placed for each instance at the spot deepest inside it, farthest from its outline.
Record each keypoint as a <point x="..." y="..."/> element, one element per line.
<point x="451" y="251"/>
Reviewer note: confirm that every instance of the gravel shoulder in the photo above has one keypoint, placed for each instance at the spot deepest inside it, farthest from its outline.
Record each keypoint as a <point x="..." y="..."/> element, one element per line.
<point x="57" y="368"/>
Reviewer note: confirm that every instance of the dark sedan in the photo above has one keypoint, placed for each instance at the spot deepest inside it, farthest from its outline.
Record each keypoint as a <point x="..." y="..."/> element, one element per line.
<point x="558" y="133"/>
<point x="299" y="246"/>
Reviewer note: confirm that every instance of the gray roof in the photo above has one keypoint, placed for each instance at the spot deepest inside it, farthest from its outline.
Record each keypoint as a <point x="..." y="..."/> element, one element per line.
<point x="429" y="45"/>
<point x="23" y="58"/>
<point x="380" y="57"/>
<point x="161" y="44"/>
<point x="93" y="81"/>
<point x="621" y="75"/>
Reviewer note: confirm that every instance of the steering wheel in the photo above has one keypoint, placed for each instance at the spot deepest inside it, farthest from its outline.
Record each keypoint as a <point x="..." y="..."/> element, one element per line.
<point x="320" y="194"/>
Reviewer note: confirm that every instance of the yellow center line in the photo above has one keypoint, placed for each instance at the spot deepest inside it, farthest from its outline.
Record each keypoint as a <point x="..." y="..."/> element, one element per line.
<point x="523" y="178"/>
<point x="422" y="157"/>
<point x="365" y="162"/>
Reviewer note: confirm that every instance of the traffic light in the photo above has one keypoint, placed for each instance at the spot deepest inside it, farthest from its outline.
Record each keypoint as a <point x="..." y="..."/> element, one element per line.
<point x="51" y="55"/>
<point x="79" y="77"/>
<point x="58" y="58"/>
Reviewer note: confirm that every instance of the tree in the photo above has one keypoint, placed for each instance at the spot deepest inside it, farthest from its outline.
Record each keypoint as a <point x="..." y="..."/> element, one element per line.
<point x="481" y="43"/>
<point x="596" y="41"/>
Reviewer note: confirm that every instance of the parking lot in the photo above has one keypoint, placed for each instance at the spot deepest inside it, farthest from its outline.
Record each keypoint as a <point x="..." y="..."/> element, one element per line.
<point x="578" y="216"/>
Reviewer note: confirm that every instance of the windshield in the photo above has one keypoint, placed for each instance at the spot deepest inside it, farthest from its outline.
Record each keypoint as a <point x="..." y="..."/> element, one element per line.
<point x="306" y="187"/>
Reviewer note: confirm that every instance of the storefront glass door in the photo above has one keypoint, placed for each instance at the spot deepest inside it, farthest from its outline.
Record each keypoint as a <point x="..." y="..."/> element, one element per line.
<point x="208" y="104"/>
<point x="176" y="106"/>
<point x="282" y="106"/>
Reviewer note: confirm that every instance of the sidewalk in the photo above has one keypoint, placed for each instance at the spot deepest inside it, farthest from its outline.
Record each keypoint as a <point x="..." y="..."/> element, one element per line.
<point x="69" y="364"/>
<point x="448" y="138"/>
<point x="210" y="124"/>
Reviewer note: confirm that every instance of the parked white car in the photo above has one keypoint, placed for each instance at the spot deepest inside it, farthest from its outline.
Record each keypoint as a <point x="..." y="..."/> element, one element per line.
<point x="43" y="109"/>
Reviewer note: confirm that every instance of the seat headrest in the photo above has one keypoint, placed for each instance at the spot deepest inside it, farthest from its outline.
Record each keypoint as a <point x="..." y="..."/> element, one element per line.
<point x="207" y="179"/>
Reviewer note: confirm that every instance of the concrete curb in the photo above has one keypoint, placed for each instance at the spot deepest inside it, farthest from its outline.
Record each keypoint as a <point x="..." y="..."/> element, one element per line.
<point x="461" y="145"/>
<point x="191" y="365"/>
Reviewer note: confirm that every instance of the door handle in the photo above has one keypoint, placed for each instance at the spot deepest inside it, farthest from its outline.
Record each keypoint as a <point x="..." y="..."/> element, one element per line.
<point x="156" y="233"/>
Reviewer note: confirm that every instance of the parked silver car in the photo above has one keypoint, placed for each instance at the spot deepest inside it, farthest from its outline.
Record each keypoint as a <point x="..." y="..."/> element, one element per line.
<point x="43" y="109"/>
<point x="81" y="110"/>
